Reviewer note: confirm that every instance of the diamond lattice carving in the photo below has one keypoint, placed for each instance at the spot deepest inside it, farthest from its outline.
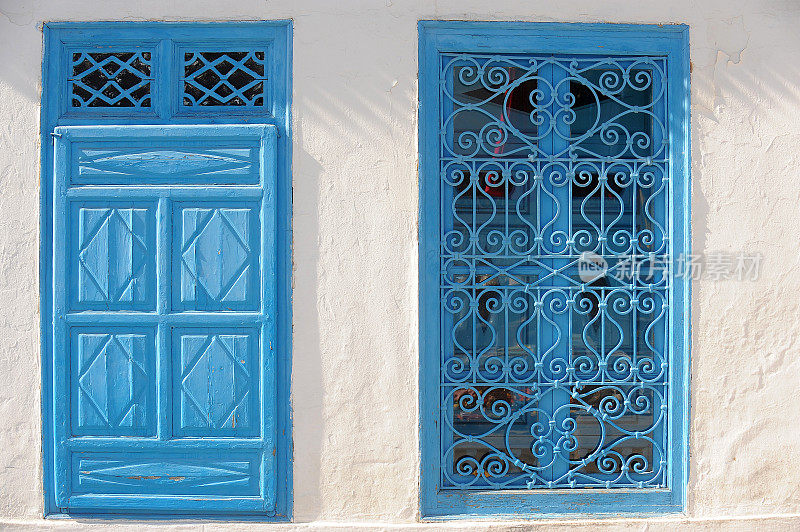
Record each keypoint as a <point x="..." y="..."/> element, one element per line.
<point x="217" y="259"/>
<point x="110" y="79"/>
<point x="216" y="384"/>
<point x="114" y="259"/>
<point x="112" y="383"/>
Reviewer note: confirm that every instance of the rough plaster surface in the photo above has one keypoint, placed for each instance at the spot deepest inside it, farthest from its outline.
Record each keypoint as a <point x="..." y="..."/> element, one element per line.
<point x="355" y="277"/>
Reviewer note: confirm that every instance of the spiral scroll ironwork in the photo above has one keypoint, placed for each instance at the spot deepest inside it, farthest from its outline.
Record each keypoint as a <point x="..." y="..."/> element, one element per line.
<point x="551" y="378"/>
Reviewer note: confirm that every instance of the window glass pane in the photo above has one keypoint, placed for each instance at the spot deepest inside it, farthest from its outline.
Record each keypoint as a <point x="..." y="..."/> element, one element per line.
<point x="606" y="119"/>
<point x="553" y="295"/>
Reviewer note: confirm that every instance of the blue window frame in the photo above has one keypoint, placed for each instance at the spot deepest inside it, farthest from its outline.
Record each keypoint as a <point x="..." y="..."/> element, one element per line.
<point x="165" y="269"/>
<point x="554" y="189"/>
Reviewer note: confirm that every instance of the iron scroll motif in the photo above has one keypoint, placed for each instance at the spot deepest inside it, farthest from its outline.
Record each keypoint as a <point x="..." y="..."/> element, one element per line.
<point x="552" y="377"/>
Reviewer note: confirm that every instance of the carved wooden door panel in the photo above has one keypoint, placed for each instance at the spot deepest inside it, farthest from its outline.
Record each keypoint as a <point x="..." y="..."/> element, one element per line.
<point x="164" y="299"/>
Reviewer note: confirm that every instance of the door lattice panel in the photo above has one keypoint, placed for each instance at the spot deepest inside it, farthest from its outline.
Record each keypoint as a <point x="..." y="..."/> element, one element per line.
<point x="173" y="79"/>
<point x="110" y="79"/>
<point x="554" y="182"/>
<point x="224" y="79"/>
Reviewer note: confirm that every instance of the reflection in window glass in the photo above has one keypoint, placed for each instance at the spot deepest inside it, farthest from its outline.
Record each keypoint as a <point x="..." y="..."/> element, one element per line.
<point x="550" y="378"/>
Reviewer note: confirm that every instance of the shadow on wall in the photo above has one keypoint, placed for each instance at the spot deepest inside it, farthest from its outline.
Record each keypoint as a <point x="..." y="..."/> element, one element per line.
<point x="355" y="213"/>
<point x="731" y="84"/>
<point x="745" y="103"/>
<point x="357" y="131"/>
<point x="307" y="384"/>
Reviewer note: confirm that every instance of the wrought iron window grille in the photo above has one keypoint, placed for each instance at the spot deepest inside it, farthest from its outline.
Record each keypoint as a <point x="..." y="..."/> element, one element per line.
<point x="550" y="377"/>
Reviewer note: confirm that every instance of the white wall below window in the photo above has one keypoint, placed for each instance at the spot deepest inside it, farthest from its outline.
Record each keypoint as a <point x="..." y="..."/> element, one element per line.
<point x="355" y="251"/>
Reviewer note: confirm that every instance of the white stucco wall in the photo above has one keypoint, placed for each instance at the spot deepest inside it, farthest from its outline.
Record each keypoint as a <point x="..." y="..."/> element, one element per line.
<point x="355" y="276"/>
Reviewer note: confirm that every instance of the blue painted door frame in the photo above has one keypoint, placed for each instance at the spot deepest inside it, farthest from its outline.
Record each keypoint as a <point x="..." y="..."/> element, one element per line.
<point x="119" y="181"/>
<point x="437" y="38"/>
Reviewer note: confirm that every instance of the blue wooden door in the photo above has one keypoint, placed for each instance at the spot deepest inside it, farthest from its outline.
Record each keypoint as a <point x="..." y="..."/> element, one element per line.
<point x="164" y="299"/>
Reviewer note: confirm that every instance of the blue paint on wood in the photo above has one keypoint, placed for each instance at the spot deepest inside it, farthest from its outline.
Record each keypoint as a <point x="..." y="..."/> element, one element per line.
<point x="135" y="473"/>
<point x="216" y="382"/>
<point x="165" y="272"/>
<point x="210" y="377"/>
<point x="171" y="162"/>
<point x="112" y="381"/>
<point x="217" y="266"/>
<point x="111" y="264"/>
